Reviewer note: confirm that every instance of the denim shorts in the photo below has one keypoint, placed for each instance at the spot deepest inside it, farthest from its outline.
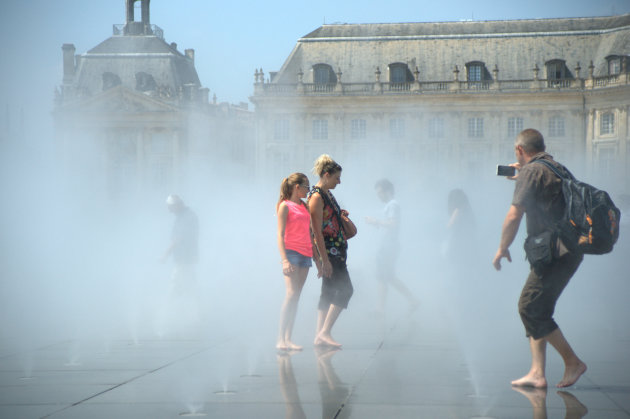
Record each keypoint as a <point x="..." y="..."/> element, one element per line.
<point x="298" y="259"/>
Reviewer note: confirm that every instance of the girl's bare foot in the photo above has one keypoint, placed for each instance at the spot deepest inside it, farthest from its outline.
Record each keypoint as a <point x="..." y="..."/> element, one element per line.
<point x="326" y="339"/>
<point x="574" y="408"/>
<point x="531" y="380"/>
<point x="571" y="374"/>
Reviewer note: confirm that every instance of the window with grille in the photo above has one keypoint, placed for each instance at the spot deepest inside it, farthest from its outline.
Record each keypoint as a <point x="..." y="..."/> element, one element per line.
<point x="515" y="126"/>
<point x="475" y="127"/>
<point x="436" y="127"/>
<point x="320" y="129"/>
<point x="556" y="126"/>
<point x="607" y="123"/>
<point x="357" y="129"/>
<point x="397" y="128"/>
<point x="474" y="72"/>
<point x="614" y="65"/>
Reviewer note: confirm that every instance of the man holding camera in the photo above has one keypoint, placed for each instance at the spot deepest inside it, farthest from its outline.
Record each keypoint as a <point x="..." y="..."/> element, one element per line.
<point x="538" y="193"/>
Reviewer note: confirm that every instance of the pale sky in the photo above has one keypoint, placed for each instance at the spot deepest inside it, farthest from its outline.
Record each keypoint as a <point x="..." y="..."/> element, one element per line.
<point x="231" y="39"/>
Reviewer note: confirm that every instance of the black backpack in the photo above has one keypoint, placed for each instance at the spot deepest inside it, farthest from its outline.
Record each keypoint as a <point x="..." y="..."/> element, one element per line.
<point x="590" y="223"/>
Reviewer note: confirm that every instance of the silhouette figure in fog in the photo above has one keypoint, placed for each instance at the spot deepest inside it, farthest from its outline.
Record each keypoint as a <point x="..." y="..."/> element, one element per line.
<point x="331" y="248"/>
<point x="184" y="250"/>
<point x="538" y="193"/>
<point x="462" y="230"/>
<point x="389" y="245"/>
<point x="296" y="250"/>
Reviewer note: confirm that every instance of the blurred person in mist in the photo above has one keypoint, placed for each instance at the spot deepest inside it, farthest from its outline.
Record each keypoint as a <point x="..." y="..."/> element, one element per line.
<point x="462" y="228"/>
<point x="184" y="251"/>
<point x="331" y="248"/>
<point x="538" y="194"/>
<point x="389" y="245"/>
<point x="296" y="250"/>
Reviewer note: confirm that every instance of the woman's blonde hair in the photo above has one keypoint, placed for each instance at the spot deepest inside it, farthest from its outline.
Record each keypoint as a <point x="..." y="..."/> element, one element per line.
<point x="325" y="164"/>
<point x="287" y="185"/>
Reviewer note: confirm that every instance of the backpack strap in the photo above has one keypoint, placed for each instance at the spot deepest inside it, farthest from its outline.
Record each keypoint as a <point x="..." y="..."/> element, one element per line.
<point x="566" y="175"/>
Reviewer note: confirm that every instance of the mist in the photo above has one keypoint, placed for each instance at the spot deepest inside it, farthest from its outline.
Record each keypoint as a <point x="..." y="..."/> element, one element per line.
<point x="81" y="268"/>
<point x="77" y="266"/>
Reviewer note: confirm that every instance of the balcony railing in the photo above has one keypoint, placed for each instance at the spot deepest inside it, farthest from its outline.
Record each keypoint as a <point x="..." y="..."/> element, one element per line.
<point x="155" y="30"/>
<point x="559" y="83"/>
<point x="434" y="87"/>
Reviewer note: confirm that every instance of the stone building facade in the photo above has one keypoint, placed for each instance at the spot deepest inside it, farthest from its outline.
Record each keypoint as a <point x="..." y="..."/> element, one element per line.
<point x="132" y="116"/>
<point x="446" y="100"/>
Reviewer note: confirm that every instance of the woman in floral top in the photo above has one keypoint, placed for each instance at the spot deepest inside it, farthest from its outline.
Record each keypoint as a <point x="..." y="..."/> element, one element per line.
<point x="331" y="248"/>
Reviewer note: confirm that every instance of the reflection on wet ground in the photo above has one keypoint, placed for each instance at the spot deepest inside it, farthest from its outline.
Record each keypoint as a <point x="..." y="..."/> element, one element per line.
<point x="403" y="366"/>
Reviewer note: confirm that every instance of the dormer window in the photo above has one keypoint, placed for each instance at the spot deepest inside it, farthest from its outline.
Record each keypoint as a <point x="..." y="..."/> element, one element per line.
<point x="323" y="74"/>
<point x="614" y="64"/>
<point x="558" y="74"/>
<point x="110" y="80"/>
<point x="324" y="78"/>
<point x="477" y="74"/>
<point x="399" y="73"/>
<point x="145" y="82"/>
<point x="474" y="71"/>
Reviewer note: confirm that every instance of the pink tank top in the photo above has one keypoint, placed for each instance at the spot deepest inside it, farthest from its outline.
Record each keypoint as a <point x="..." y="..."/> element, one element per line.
<point x="297" y="235"/>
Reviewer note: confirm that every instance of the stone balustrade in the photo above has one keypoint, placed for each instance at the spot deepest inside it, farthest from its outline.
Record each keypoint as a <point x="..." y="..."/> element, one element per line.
<point x="433" y="87"/>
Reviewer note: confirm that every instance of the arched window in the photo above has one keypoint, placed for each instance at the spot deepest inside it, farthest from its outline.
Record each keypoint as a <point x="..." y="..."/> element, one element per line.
<point x="558" y="75"/>
<point x="110" y="80"/>
<point x="145" y="82"/>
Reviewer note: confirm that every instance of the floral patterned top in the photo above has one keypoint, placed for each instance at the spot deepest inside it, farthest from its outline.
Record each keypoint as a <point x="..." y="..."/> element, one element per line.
<point x="334" y="238"/>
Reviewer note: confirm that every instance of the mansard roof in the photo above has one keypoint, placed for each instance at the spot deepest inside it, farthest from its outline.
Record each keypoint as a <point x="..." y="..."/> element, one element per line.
<point x="513" y="46"/>
<point x="125" y="56"/>
<point x="468" y="28"/>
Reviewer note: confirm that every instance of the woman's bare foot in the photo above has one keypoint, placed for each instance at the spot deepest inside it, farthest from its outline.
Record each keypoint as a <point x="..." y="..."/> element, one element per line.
<point x="326" y="339"/>
<point x="282" y="346"/>
<point x="531" y="380"/>
<point x="571" y="374"/>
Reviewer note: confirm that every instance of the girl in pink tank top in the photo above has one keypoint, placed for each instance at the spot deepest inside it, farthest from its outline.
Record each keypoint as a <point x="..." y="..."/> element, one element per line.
<point x="296" y="250"/>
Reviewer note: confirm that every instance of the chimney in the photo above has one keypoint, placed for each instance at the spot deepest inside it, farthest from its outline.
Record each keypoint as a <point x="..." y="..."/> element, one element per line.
<point x="68" y="62"/>
<point x="144" y="7"/>
<point x="190" y="53"/>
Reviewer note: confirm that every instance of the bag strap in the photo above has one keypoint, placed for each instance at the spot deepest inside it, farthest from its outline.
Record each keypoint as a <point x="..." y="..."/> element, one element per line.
<point x="567" y="175"/>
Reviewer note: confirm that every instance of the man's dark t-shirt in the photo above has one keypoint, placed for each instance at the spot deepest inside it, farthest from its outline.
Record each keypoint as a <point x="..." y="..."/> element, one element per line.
<point x="539" y="191"/>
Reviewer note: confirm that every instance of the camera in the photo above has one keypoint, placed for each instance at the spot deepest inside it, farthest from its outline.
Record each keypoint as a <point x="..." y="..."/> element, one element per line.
<point x="505" y="170"/>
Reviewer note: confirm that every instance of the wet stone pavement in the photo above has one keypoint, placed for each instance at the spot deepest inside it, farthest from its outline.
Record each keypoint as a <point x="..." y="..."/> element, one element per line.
<point x="404" y="366"/>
